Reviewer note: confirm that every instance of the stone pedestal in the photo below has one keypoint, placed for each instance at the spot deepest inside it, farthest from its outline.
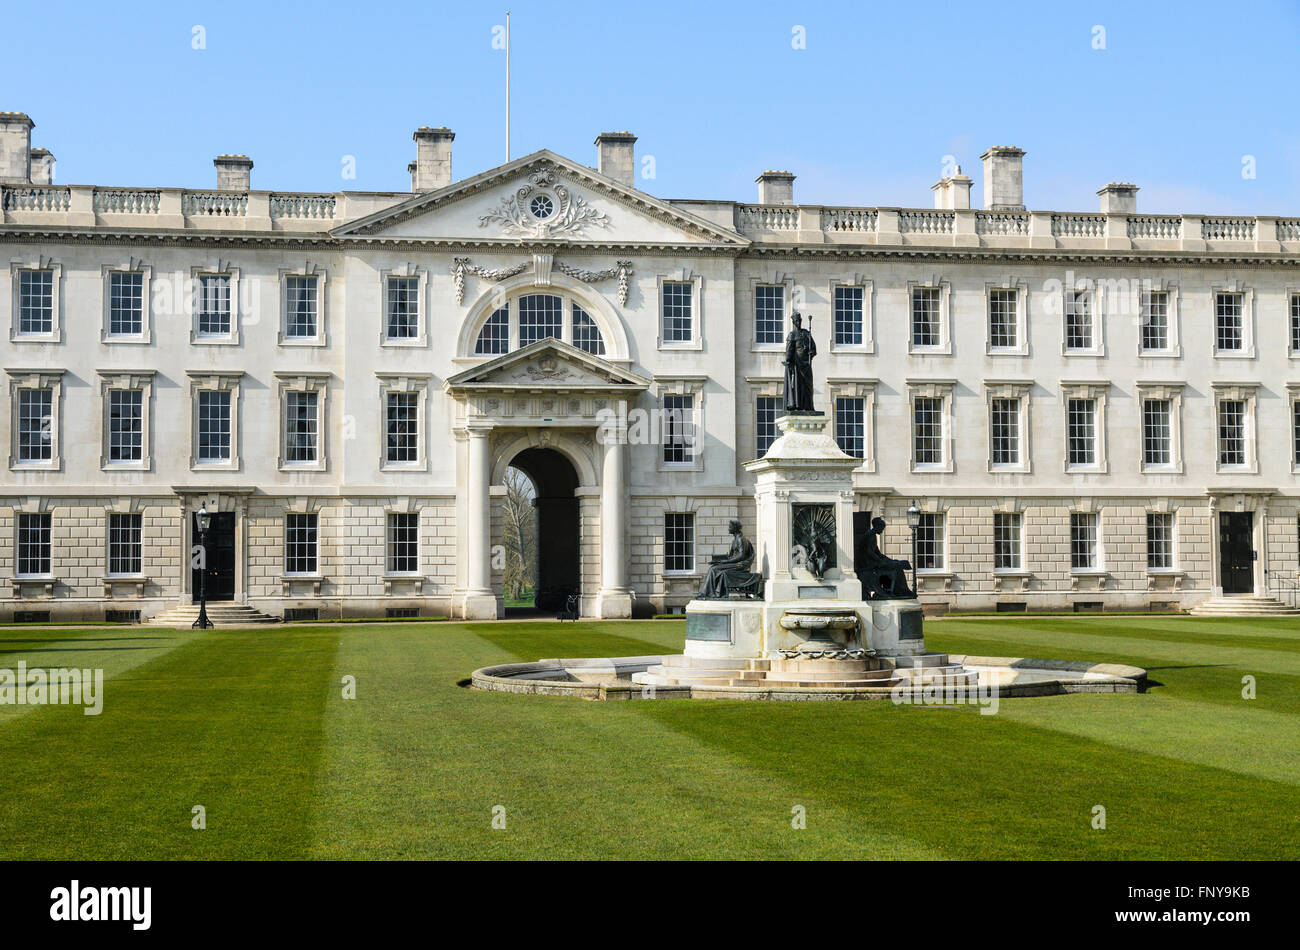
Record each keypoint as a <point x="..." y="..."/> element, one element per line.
<point x="805" y="476"/>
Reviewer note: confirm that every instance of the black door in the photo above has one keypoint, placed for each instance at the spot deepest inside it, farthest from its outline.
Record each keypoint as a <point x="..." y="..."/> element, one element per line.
<point x="220" y="572"/>
<point x="1236" y="559"/>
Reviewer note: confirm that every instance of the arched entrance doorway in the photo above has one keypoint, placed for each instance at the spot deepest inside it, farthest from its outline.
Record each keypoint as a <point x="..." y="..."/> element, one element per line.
<point x="558" y="555"/>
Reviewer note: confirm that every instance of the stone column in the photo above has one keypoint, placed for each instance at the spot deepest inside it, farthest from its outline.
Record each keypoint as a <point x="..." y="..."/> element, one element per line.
<point x="615" y="599"/>
<point x="480" y="601"/>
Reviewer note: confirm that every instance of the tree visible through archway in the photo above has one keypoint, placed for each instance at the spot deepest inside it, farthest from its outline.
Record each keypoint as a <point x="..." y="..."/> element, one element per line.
<point x="520" y="513"/>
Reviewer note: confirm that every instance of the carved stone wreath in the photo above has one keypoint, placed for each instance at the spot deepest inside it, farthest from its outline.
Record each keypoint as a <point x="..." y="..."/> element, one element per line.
<point x="572" y="214"/>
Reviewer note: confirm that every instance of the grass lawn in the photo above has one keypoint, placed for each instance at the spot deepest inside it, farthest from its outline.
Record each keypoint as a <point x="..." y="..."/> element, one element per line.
<point x="251" y="724"/>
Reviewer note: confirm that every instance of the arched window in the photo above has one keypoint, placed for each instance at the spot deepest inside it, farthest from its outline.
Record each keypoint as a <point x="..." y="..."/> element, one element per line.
<point x="494" y="338"/>
<point x="586" y="335"/>
<point x="540" y="316"/>
<point x="536" y="316"/>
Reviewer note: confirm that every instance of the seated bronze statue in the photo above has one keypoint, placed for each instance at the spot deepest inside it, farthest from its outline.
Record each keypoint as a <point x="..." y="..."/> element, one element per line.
<point x="729" y="573"/>
<point x="883" y="578"/>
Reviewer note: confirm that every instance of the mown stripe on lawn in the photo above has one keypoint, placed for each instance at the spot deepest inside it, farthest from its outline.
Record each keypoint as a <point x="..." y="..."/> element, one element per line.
<point x="1212" y="735"/>
<point x="1103" y="647"/>
<point x="996" y="787"/>
<point x="97" y="648"/>
<point x="1217" y="682"/>
<point x="530" y="641"/>
<point x="230" y="720"/>
<point x="415" y="766"/>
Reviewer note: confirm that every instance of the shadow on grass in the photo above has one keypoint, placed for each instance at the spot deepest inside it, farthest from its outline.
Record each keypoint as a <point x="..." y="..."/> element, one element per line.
<point x="73" y="647"/>
<point x="8" y="640"/>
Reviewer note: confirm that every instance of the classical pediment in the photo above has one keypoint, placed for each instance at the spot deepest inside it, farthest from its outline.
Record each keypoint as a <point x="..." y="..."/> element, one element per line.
<point x="546" y="364"/>
<point x="542" y="197"/>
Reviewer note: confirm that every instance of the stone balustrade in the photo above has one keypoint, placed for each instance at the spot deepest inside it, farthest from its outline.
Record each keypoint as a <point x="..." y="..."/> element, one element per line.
<point x="126" y="201"/>
<point x="926" y="222"/>
<point x="1002" y="222"/>
<point x="1079" y="225"/>
<point x="214" y="203"/>
<point x="177" y="208"/>
<point x="303" y="206"/>
<point x="36" y="198"/>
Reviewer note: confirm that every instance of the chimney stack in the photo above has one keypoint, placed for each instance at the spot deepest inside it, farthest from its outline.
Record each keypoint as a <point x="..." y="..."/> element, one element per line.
<point x="1003" y="178"/>
<point x="952" y="193"/>
<point x="432" y="158"/>
<point x="234" y="172"/>
<point x="615" y="156"/>
<point x="42" y="166"/>
<point x="1119" y="197"/>
<point x="775" y="188"/>
<point x="16" y="147"/>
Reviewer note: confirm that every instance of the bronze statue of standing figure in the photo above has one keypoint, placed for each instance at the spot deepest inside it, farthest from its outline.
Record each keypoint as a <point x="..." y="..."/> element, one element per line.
<point x="799" y="352"/>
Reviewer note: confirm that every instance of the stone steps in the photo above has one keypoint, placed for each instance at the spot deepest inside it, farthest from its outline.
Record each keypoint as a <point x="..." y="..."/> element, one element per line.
<point x="222" y="614"/>
<point x="1244" y="606"/>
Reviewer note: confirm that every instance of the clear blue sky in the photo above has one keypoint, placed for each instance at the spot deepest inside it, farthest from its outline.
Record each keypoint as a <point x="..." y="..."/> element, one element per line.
<point x="864" y="115"/>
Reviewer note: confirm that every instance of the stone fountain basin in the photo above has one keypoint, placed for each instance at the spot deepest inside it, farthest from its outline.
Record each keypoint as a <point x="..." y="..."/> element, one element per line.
<point x="606" y="678"/>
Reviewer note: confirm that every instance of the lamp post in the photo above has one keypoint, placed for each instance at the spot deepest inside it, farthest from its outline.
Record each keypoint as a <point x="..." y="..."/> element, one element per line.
<point x="204" y="519"/>
<point x="913" y="523"/>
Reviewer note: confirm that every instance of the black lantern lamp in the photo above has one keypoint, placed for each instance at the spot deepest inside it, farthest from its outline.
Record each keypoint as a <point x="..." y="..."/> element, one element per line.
<point x="204" y="521"/>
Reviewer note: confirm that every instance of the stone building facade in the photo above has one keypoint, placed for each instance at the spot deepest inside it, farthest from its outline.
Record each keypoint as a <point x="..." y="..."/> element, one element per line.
<point x="1091" y="408"/>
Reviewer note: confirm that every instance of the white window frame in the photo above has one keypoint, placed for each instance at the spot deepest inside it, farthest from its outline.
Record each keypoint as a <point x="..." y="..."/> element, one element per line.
<point x="771" y="280"/>
<point x="1175" y="348"/>
<point x="389" y="514"/>
<point x="1096" y="390"/>
<point x="405" y="383"/>
<point x="108" y="544"/>
<point x="56" y="301"/>
<point x="771" y="387"/>
<point x="682" y="386"/>
<point x="1021" y="568"/>
<point x="421" y="338"/>
<point x="943" y="569"/>
<point x="318" y="383"/>
<point x="695" y="544"/>
<point x="19" y="514"/>
<point x="51" y="379"/>
<point x="1096" y="292"/>
<point x="205" y="380"/>
<point x="941" y="389"/>
<point x="222" y="269"/>
<point x="1245" y="392"/>
<point x="106" y="335"/>
<point x="1019" y="390"/>
<point x="321" y="276"/>
<point x="868" y="345"/>
<point x="864" y="389"/>
<point x="696" y="339"/>
<point x="1173" y="567"/>
<point x="1021" y="290"/>
<point x="1172" y="392"/>
<point x="1247" y="351"/>
<point x="284" y="544"/>
<point x="141" y="380"/>
<point x="1291" y="303"/>
<point x="1098" y="545"/>
<point x="1292" y="402"/>
<point x="944" y="346"/>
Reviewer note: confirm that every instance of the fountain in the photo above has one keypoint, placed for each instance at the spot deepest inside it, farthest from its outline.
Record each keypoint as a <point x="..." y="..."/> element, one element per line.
<point x="802" y="626"/>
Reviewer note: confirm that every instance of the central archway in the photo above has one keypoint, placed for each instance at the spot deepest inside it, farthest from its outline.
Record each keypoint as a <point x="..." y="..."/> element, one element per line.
<point x="559" y="567"/>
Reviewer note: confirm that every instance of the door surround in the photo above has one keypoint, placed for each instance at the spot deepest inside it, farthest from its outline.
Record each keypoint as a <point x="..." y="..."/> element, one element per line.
<point x="1241" y="500"/>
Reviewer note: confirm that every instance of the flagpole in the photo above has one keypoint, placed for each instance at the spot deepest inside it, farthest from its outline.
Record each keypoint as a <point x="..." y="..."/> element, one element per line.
<point x="507" y="85"/>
